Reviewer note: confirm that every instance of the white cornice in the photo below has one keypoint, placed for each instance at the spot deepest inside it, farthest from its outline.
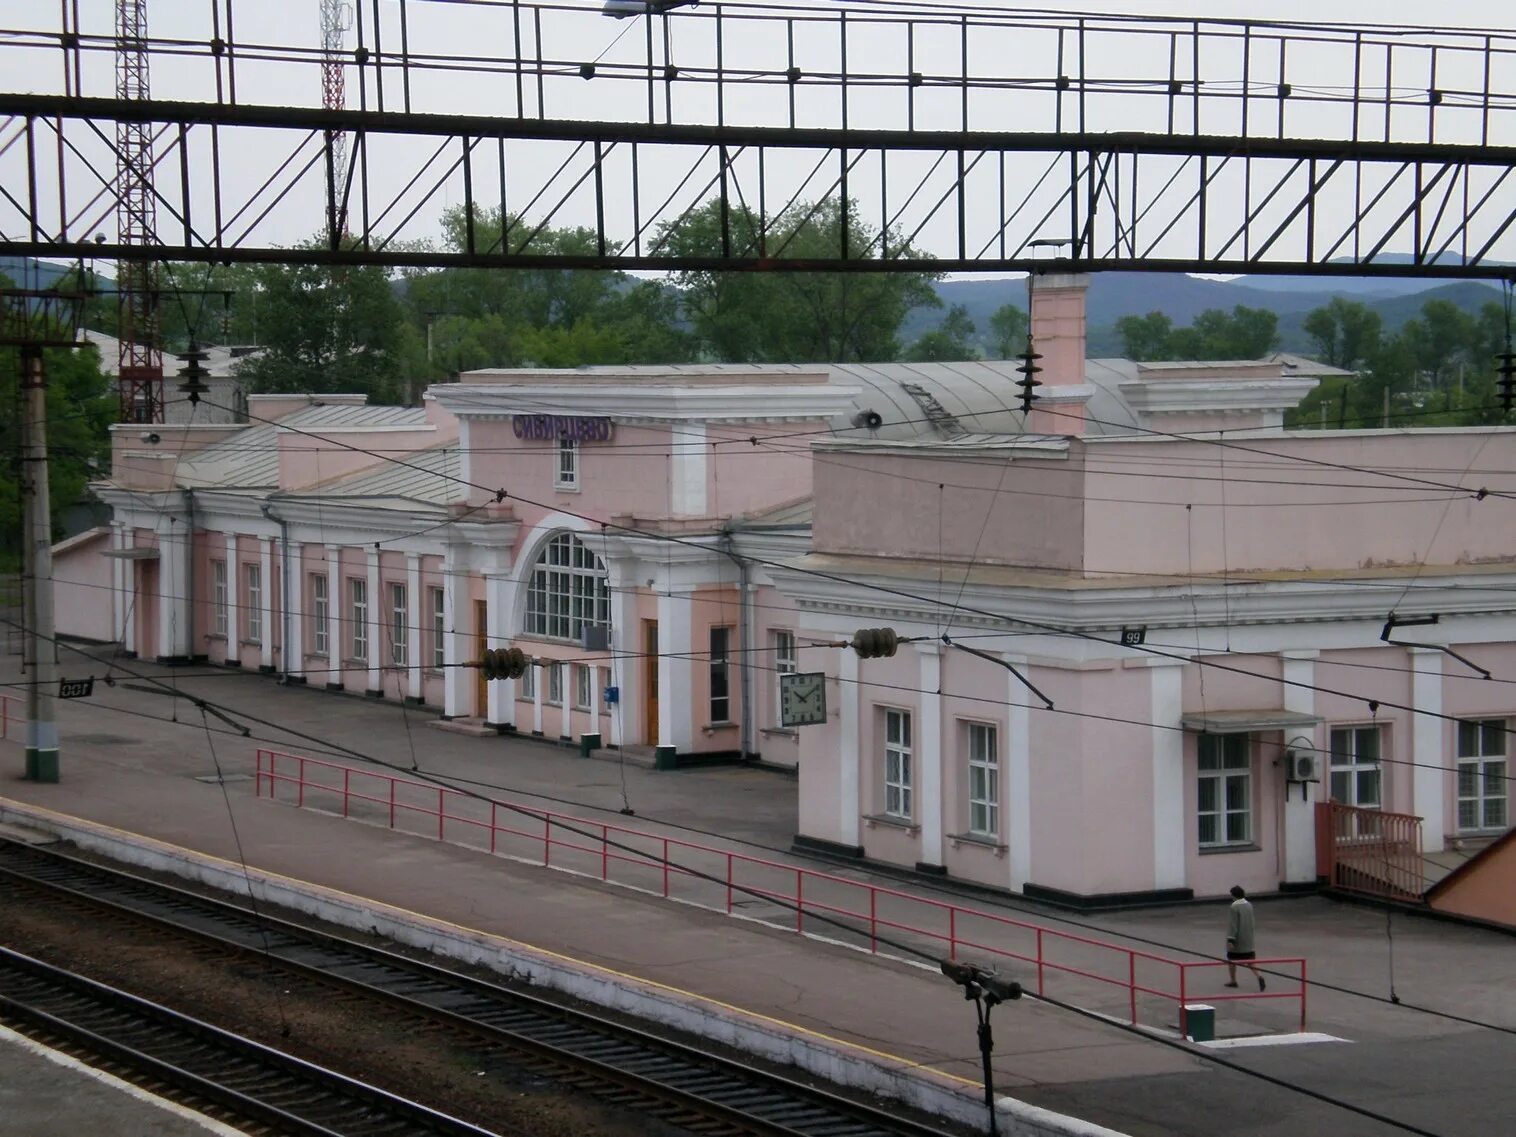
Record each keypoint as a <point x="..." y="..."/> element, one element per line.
<point x="646" y="401"/>
<point x="1175" y="396"/>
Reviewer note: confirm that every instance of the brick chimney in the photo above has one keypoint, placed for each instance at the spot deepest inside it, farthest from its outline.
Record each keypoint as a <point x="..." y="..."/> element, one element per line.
<point x="1058" y="333"/>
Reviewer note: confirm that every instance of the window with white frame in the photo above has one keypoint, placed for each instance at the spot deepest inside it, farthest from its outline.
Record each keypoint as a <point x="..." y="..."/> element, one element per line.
<point x="218" y="596"/>
<point x="400" y="639"/>
<point x="566" y="474"/>
<point x="721" y="675"/>
<point x="320" y="613"/>
<point x="357" y="614"/>
<point x="254" y="576"/>
<point x="1482" y="750"/>
<point x="897" y="763"/>
<point x="984" y="780"/>
<point x="555" y="683"/>
<point x="567" y="590"/>
<point x="584" y="680"/>
<point x="1354" y="755"/>
<point x="528" y="683"/>
<point x="439" y="629"/>
<point x="785" y="663"/>
<point x="1225" y="797"/>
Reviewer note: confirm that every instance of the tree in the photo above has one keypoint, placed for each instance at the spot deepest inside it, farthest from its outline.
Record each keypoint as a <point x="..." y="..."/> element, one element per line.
<point x="326" y="330"/>
<point x="1345" y="332"/>
<point x="948" y="340"/>
<point x="81" y="404"/>
<point x="1439" y="340"/>
<point x="1145" y="338"/>
<point x="779" y="317"/>
<point x="1008" y="328"/>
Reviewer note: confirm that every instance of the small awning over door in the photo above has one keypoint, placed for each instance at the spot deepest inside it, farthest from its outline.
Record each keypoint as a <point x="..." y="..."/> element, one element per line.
<point x="135" y="553"/>
<point x="1242" y="722"/>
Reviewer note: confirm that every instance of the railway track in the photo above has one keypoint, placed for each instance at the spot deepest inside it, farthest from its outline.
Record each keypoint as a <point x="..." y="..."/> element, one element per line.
<point x="245" y="1081"/>
<point x="678" y="1084"/>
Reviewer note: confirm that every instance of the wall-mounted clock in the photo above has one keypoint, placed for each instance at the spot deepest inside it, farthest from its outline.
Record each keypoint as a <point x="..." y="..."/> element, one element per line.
<point x="802" y="698"/>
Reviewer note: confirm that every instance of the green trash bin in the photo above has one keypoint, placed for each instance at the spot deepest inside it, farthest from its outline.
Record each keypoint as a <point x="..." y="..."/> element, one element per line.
<point x="588" y="744"/>
<point x="1200" y="1022"/>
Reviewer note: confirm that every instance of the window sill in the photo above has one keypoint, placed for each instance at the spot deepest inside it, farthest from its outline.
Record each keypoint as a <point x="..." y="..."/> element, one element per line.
<point x="350" y="662"/>
<point x="582" y="707"/>
<point x="432" y="672"/>
<point x="216" y="637"/>
<point x="250" y="643"/>
<point x="982" y="840"/>
<point x="1213" y="850"/>
<point x="891" y="822"/>
<point x="783" y="731"/>
<point x="711" y="727"/>
<point x="565" y="489"/>
<point x="316" y="655"/>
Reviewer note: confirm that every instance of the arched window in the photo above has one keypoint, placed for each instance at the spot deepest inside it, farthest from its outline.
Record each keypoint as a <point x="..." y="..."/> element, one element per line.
<point x="567" y="591"/>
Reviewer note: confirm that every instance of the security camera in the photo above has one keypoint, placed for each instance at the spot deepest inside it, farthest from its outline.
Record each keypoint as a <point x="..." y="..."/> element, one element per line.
<point x="868" y="420"/>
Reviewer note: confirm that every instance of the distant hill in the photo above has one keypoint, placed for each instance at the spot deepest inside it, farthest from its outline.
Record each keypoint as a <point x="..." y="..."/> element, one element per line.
<point x="27" y="272"/>
<point x="1114" y="295"/>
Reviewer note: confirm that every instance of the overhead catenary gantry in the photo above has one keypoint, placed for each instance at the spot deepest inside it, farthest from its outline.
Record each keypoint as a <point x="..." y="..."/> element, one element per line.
<point x="994" y="141"/>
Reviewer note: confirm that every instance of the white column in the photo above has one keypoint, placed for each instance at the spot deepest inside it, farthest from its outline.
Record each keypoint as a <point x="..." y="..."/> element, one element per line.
<point x="1171" y="827"/>
<point x="336" y="650"/>
<point x="849" y="757"/>
<point x="173" y="591"/>
<point x="540" y="682"/>
<point x="375" y="605"/>
<point x="626" y="653"/>
<point x="266" y="605"/>
<point x="499" y="608"/>
<point x="931" y="754"/>
<point x="687" y="474"/>
<point x="1018" y="760"/>
<point x="118" y="602"/>
<point x="415" y="603"/>
<point x="233" y="601"/>
<point x="676" y="671"/>
<point x="295" y="605"/>
<point x="1429" y="777"/>
<point x="1299" y="673"/>
<point x="594" y="700"/>
<point x="454" y="585"/>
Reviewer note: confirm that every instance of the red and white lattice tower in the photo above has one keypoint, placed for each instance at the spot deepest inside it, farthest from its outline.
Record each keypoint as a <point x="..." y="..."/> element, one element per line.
<point x="140" y="364"/>
<point x="335" y="18"/>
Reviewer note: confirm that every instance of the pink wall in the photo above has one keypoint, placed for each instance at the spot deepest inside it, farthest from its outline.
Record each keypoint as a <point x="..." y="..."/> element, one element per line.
<point x="1288" y="514"/>
<point x="747" y="478"/>
<point x="1025" y="512"/>
<point x="82" y="587"/>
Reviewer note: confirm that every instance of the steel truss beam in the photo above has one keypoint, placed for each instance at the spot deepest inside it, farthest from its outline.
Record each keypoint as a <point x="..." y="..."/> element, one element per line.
<point x="992" y="201"/>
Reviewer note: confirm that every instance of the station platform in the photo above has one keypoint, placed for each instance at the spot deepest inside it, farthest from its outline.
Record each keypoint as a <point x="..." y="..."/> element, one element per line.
<point x="142" y="771"/>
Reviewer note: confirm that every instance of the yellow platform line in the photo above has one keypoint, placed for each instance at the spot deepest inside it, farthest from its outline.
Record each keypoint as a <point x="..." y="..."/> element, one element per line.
<point x="438" y="922"/>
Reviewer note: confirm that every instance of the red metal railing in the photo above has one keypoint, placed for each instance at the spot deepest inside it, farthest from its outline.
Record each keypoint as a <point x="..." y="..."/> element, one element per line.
<point x="769" y="891"/>
<point x="1370" y="851"/>
<point x="12" y="714"/>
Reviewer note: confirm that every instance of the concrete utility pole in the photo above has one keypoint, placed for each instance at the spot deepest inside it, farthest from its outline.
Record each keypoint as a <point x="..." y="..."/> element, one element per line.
<point x="41" y="648"/>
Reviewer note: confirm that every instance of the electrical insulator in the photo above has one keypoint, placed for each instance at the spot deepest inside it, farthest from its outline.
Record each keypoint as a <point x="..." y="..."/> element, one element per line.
<point x="504" y="663"/>
<point x="193" y="374"/>
<point x="875" y="643"/>
<point x="1506" y="384"/>
<point x="1028" y="383"/>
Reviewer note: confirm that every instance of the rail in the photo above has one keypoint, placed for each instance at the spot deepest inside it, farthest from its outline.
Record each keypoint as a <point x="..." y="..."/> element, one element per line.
<point x="1062" y="964"/>
<point x="1370" y="851"/>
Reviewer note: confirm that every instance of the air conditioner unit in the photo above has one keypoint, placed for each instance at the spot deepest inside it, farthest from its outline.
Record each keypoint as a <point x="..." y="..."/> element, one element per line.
<point x="1301" y="766"/>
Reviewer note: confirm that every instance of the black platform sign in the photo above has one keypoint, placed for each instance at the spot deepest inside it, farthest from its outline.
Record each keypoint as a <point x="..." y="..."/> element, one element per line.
<point x="76" y="688"/>
<point x="1134" y="637"/>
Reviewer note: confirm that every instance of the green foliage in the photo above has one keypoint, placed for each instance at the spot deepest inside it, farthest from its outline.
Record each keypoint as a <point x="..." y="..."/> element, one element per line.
<point x="326" y="330"/>
<point x="1438" y="370"/>
<point x="951" y="339"/>
<point x="1008" y="328"/>
<point x="81" y="405"/>
<point x="779" y="317"/>
<point x="1242" y="333"/>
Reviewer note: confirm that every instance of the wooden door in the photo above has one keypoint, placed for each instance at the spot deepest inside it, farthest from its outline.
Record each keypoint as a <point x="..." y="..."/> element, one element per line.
<point x="650" y="683"/>
<point x="481" y="641"/>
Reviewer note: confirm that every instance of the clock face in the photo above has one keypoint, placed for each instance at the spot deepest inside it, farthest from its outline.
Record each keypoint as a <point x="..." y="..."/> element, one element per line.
<point x="802" y="698"/>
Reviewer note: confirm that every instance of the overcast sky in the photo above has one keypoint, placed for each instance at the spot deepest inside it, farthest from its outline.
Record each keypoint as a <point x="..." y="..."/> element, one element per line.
<point x="477" y="33"/>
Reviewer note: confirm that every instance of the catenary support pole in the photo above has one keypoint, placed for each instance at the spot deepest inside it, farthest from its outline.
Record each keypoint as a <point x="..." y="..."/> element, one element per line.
<point x="41" y="654"/>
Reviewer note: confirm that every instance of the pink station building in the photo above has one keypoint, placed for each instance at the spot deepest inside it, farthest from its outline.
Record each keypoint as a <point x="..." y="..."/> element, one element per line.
<point x="1145" y="628"/>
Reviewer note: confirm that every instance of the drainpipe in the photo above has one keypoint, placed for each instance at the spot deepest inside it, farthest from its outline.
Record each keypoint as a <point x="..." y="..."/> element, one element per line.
<point x="744" y="648"/>
<point x="284" y="604"/>
<point x="189" y="574"/>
